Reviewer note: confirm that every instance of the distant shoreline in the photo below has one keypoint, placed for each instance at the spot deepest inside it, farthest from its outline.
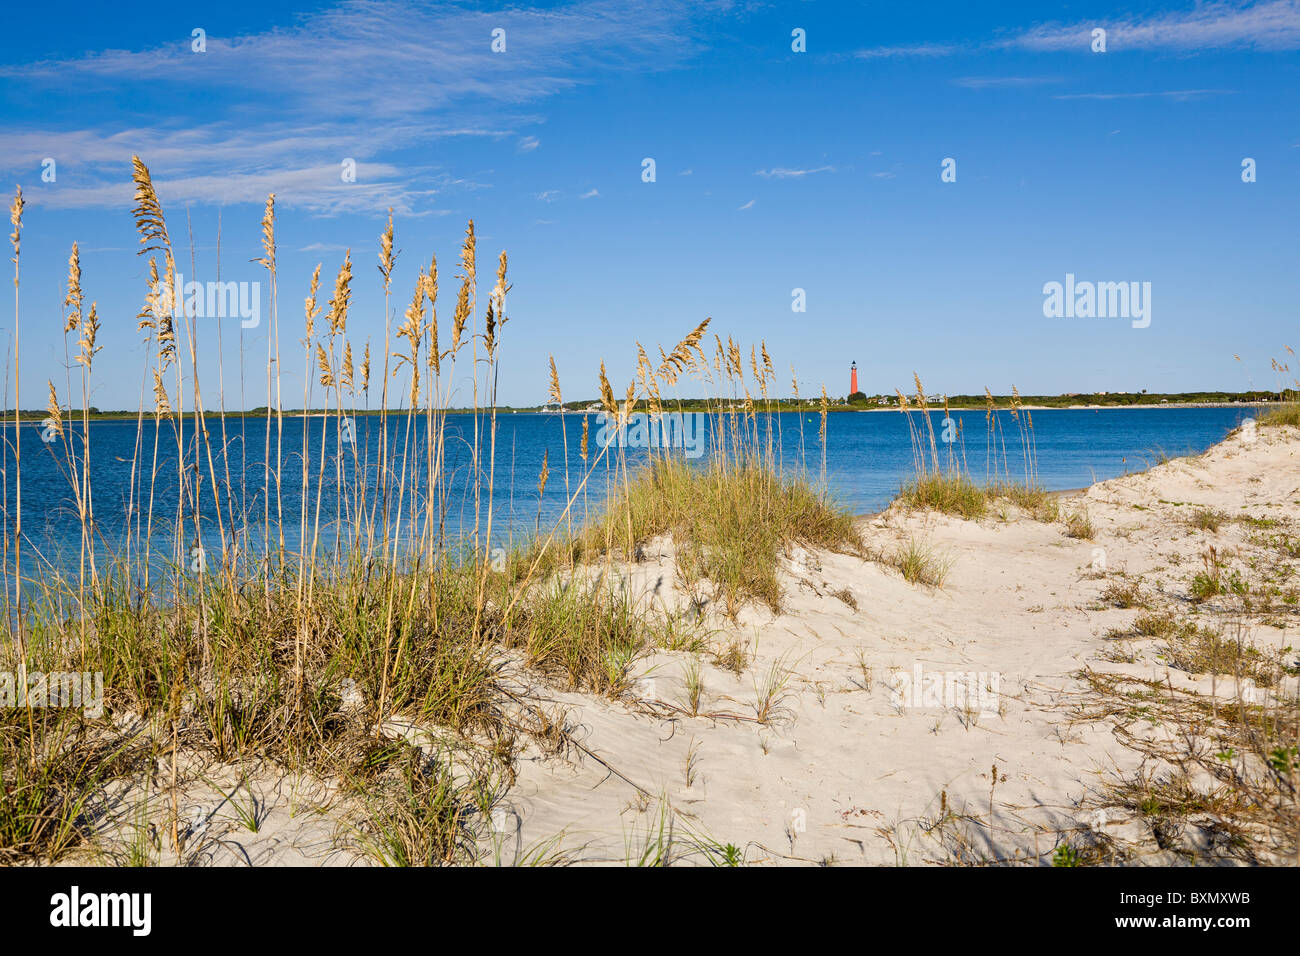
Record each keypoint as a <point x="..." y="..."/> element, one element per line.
<point x="1094" y="408"/>
<point x="29" y="415"/>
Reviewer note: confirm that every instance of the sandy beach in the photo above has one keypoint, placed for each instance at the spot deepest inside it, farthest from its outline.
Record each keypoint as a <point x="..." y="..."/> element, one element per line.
<point x="872" y="721"/>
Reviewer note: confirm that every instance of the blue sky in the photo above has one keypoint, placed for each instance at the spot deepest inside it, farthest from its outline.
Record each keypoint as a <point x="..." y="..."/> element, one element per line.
<point x="775" y="170"/>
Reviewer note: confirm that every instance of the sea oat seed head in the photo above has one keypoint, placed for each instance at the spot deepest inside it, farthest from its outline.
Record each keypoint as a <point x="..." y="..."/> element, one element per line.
<point x="73" y="300"/>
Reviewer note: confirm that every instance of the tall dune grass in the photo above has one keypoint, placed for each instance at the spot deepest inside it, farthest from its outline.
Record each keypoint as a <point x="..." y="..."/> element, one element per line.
<point x="944" y="482"/>
<point x="1282" y="415"/>
<point x="215" y="636"/>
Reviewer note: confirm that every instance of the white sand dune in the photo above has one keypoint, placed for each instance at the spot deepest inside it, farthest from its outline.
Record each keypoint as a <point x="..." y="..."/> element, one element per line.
<point x="845" y="773"/>
<point x="841" y="769"/>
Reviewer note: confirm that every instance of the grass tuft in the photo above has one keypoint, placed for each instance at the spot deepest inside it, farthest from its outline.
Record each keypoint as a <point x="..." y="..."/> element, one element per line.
<point x="728" y="526"/>
<point x="919" y="563"/>
<point x="1207" y="519"/>
<point x="1288" y="414"/>
<point x="949" y="493"/>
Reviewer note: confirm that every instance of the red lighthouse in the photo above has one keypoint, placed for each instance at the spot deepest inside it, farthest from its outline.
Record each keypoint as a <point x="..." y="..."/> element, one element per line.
<point x="853" y="379"/>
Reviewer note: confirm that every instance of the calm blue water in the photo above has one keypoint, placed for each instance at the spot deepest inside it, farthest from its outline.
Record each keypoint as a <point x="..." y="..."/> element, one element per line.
<point x="868" y="455"/>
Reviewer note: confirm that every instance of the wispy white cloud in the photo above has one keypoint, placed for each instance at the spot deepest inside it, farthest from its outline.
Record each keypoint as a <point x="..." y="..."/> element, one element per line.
<point x="548" y="195"/>
<point x="590" y="194"/>
<point x="1268" y="25"/>
<point x="748" y="205"/>
<point x="221" y="165"/>
<point x="1171" y="94"/>
<point x="914" y="49"/>
<point x="783" y="173"/>
<point x="1262" y="25"/>
<point x="360" y="79"/>
<point x="1003" y="82"/>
